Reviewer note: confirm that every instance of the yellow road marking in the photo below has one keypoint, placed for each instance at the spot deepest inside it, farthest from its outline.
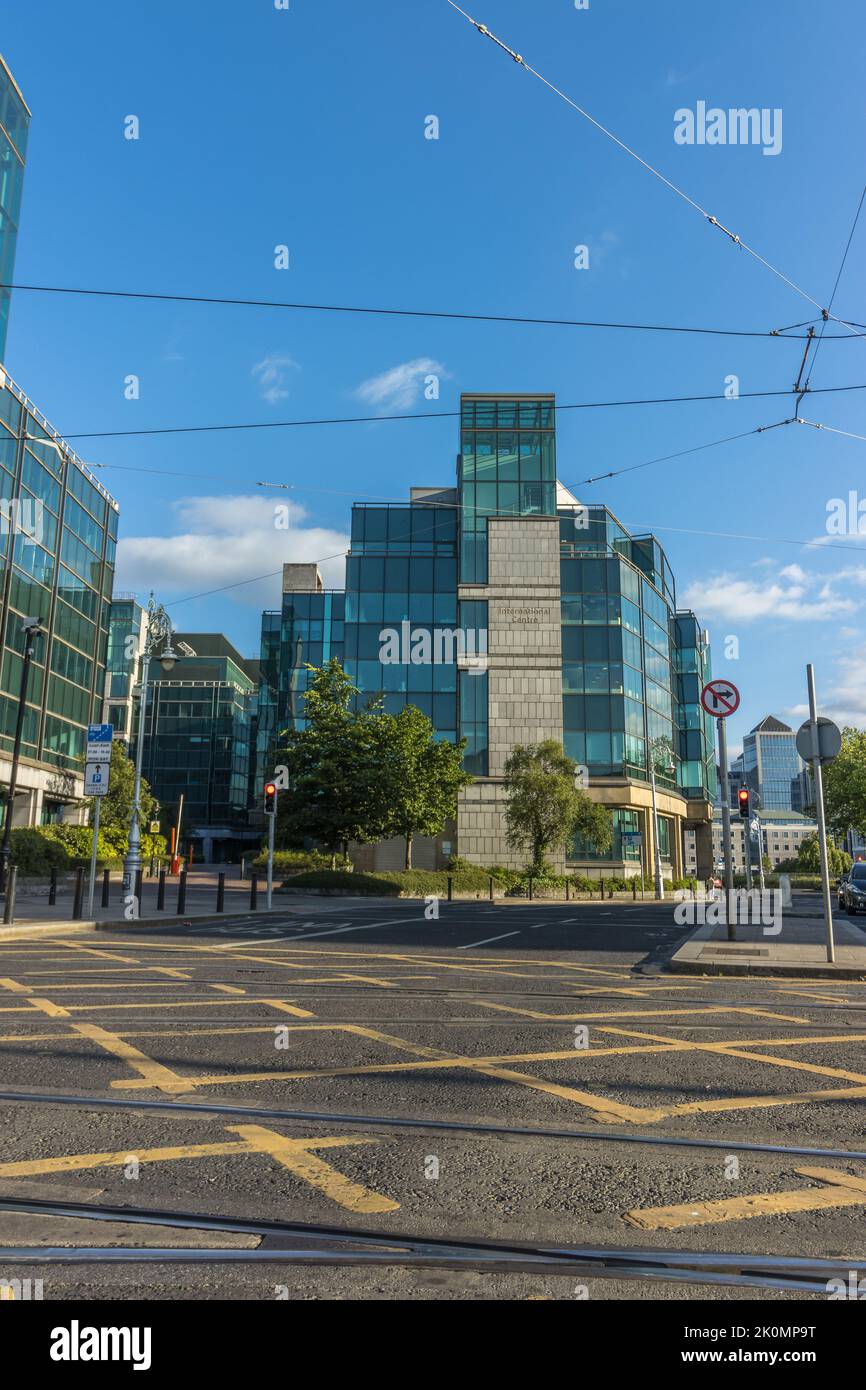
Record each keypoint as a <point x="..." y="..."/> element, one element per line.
<point x="636" y="1013"/>
<point x="92" y="951"/>
<point x="154" y="1073"/>
<point x="228" y="989"/>
<point x="724" y="1049"/>
<point x="282" y="1007"/>
<point x="297" y="1156"/>
<point x="841" y="1190"/>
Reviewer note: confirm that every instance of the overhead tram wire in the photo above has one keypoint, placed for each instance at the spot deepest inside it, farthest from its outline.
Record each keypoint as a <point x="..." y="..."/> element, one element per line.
<point x="433" y="415"/>
<point x="459" y="316"/>
<point x="708" y="216"/>
<point x="832" y="296"/>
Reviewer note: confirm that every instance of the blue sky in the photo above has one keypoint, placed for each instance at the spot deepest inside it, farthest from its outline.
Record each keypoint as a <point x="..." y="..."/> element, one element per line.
<point x="261" y="127"/>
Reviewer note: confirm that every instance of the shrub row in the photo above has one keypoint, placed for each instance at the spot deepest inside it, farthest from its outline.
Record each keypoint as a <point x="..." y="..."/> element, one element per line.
<point x="465" y="879"/>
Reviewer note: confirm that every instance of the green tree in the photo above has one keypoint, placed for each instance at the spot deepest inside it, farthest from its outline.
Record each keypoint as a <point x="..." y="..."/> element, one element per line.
<point x="845" y="785"/>
<point x="809" y="858"/>
<point x="420" y="776"/>
<point x="545" y="808"/>
<point x="333" y="782"/>
<point x="116" y="809"/>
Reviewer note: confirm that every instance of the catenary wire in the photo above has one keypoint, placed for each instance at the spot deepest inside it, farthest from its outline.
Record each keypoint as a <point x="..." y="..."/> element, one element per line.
<point x="708" y="217"/>
<point x="457" y="315"/>
<point x="436" y="415"/>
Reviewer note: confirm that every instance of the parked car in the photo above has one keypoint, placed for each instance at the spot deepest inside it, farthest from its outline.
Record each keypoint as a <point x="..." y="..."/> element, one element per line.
<point x="851" y="890"/>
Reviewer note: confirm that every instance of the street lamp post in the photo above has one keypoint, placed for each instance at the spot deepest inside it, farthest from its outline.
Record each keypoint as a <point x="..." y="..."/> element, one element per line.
<point x="31" y="628"/>
<point x="157" y="632"/>
<point x="658" y="743"/>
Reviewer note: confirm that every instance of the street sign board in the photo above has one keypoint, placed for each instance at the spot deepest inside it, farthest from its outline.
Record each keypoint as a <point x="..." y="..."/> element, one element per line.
<point x="99" y="742"/>
<point x="720" y="698"/>
<point x="96" y="779"/>
<point x="829" y="740"/>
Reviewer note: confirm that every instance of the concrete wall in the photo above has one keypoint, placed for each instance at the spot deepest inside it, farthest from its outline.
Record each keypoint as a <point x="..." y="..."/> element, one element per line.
<point x="524" y="671"/>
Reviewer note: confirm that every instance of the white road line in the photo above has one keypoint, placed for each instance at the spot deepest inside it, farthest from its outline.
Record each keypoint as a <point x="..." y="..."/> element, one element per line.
<point x="363" y="926"/>
<point x="470" y="944"/>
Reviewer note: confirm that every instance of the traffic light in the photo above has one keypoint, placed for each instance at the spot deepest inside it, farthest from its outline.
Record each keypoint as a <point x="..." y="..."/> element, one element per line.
<point x="743" y="800"/>
<point x="270" y="798"/>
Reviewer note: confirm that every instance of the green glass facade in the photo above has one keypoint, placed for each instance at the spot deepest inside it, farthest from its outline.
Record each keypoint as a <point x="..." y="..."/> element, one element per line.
<point x="58" y="536"/>
<point x="14" y="127"/>
<point x="632" y="666"/>
<point x="507" y="467"/>
<point x="199" y="742"/>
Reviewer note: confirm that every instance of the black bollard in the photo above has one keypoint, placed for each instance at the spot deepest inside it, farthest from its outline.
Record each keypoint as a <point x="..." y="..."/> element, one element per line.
<point x="221" y="893"/>
<point x="78" y="902"/>
<point x="106" y="886"/>
<point x="491" y="888"/>
<point x="181" y="891"/>
<point x="52" y="891"/>
<point x="254" y="892"/>
<point x="11" y="885"/>
<point x="160" y="893"/>
<point x="450" y="887"/>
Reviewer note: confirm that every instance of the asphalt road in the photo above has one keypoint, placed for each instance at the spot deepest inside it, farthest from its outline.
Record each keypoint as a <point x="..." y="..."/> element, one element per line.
<point x="503" y="1017"/>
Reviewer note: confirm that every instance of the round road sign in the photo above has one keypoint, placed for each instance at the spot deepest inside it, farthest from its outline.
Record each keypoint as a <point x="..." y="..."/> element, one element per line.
<point x="720" y="698"/>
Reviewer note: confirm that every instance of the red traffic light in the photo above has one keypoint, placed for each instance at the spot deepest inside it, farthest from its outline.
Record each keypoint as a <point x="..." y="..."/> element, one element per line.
<point x="743" y="798"/>
<point x="270" y="798"/>
<point x="270" y="788"/>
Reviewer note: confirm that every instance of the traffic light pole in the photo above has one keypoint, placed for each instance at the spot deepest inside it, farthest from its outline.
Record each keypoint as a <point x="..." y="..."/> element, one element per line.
<point x="819" y="807"/>
<point x="271" y="821"/>
<point x="726" y="830"/>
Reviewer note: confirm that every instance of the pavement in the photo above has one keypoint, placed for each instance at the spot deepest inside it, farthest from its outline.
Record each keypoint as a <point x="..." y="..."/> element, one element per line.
<point x="770" y="940"/>
<point x="528" y="1072"/>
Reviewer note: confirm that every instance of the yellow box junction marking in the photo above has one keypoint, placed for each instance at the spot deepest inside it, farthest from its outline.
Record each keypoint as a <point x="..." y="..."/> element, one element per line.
<point x="299" y="1156"/>
<point x="840" y="1190"/>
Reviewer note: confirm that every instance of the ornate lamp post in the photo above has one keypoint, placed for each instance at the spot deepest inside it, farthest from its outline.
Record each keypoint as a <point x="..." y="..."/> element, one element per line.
<point x="157" y="634"/>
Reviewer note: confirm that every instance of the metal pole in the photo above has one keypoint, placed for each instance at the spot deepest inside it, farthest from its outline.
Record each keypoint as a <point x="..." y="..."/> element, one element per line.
<point x="132" y="862"/>
<point x="9" y="905"/>
<point x="726" y="830"/>
<point x="272" y="817"/>
<point x="760" y="834"/>
<point x="819" y="806"/>
<point x="78" y="900"/>
<point x="6" y="849"/>
<point x="657" y="856"/>
<point x="747" y="845"/>
<point x="92" y="887"/>
<point x="177" y="827"/>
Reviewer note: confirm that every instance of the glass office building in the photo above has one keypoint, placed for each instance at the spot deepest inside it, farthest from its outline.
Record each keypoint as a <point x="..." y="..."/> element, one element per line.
<point x="58" y="535"/>
<point x="14" y="126"/>
<point x="199" y="743"/>
<point x="510" y="613"/>
<point x="773" y="768"/>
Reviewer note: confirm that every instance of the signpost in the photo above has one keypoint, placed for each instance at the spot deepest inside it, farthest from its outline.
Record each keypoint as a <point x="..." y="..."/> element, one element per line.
<point x="818" y="742"/>
<point x="97" y="773"/>
<point x="721" y="699"/>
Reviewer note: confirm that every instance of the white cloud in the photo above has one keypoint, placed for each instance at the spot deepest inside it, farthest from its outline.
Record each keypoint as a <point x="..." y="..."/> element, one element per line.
<point x="399" y="387"/>
<point x="272" y="374"/>
<point x="224" y="540"/>
<point x="791" y="594"/>
<point x="844" y="700"/>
